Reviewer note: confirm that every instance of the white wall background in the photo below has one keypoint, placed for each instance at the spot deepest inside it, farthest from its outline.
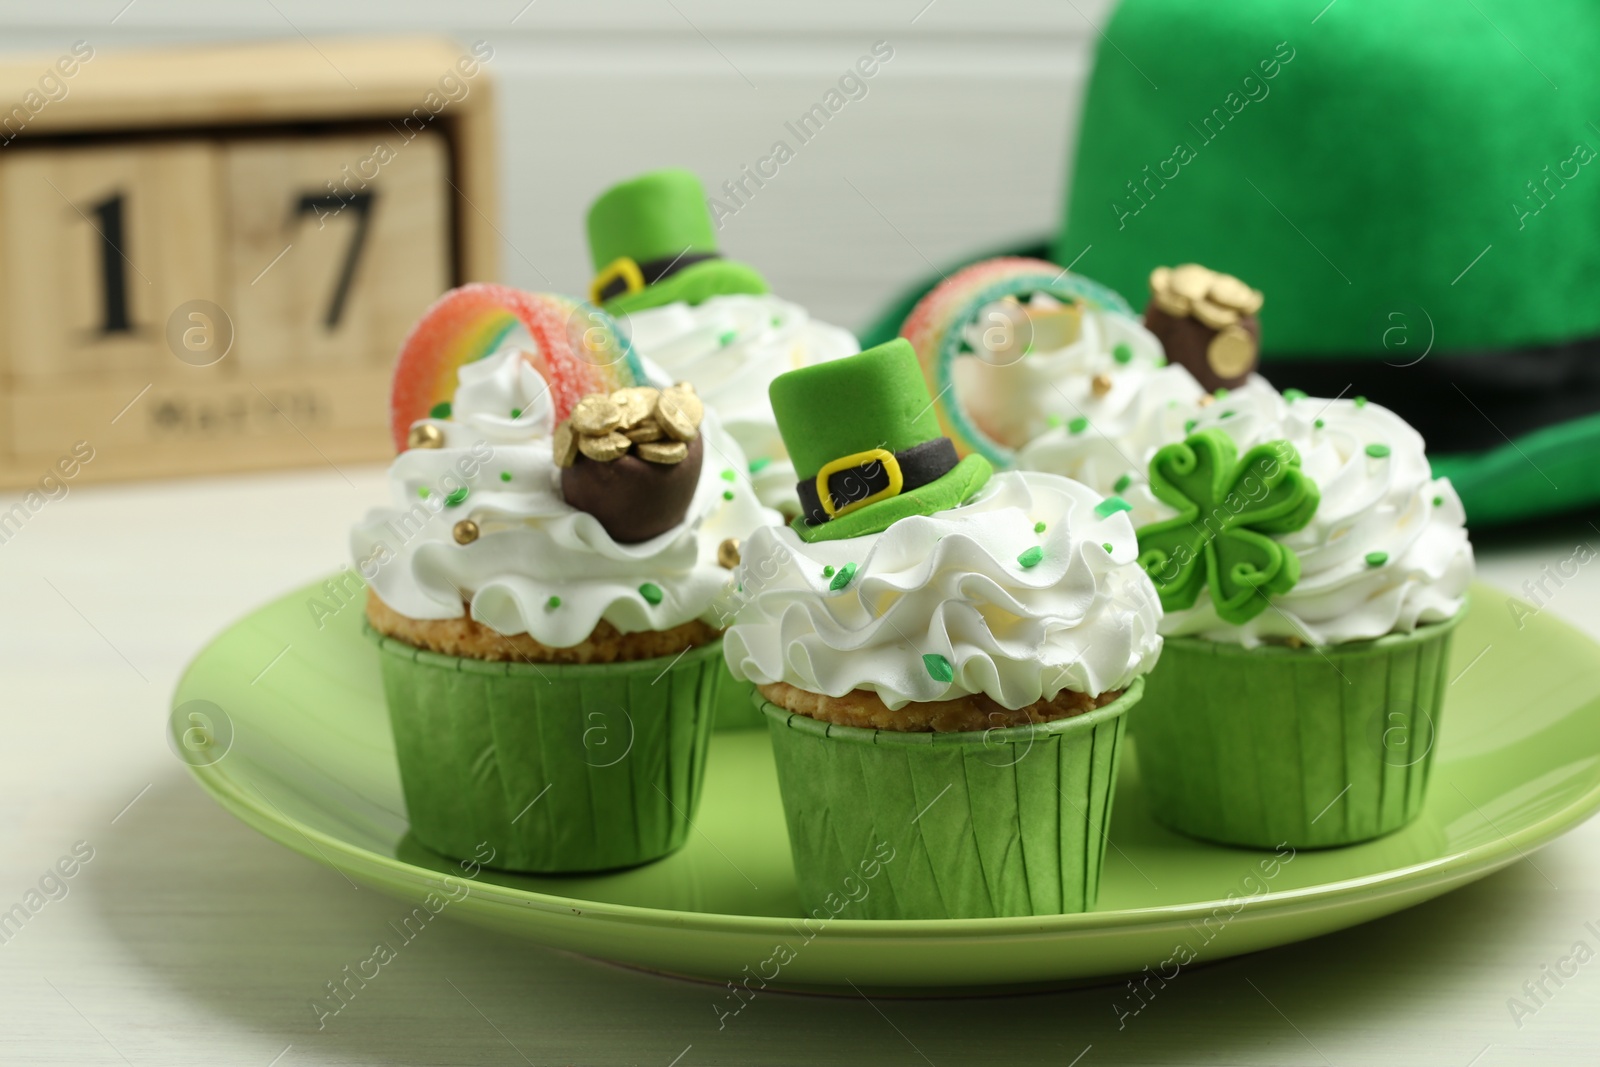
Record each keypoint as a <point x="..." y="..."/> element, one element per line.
<point x="958" y="146"/>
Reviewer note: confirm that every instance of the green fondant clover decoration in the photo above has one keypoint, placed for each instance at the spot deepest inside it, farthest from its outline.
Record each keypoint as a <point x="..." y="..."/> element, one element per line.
<point x="1229" y="509"/>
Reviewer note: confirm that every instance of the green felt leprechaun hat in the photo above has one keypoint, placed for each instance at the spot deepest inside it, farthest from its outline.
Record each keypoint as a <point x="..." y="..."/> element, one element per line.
<point x="866" y="444"/>
<point x="1414" y="185"/>
<point x="652" y="243"/>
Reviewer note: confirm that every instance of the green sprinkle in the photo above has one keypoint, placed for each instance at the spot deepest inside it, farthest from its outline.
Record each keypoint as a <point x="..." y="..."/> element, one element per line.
<point x="1319" y="424"/>
<point x="1031" y="557"/>
<point x="1377" y="451"/>
<point x="757" y="465"/>
<point x="1122" y="352"/>
<point x="1292" y="395"/>
<point x="1038" y="527"/>
<point x="1226" y="415"/>
<point x="505" y="476"/>
<point x="651" y="592"/>
<point x="938" y="667"/>
<point x="827" y="570"/>
<point x="553" y="603"/>
<point x="456" y="497"/>
<point x="1438" y="501"/>
<point x="422" y="491"/>
<point x="1027" y="349"/>
<point x="1188" y="425"/>
<point x="1361" y="401"/>
<point x="1052" y="421"/>
<point x="728" y="476"/>
<point x="1107" y="547"/>
<point x="1377" y="559"/>
<point x="1078" y="425"/>
<point x="727" y="337"/>
<point x="516" y="413"/>
<point x="842" y="579"/>
<point x="441" y="410"/>
<point x="776" y="321"/>
<point x="1221" y="392"/>
<point x="1122" y="483"/>
<point x="727" y="494"/>
<point x="1110" y="506"/>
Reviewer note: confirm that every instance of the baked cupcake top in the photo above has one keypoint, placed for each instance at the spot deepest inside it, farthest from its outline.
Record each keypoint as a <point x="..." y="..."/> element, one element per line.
<point x="1371" y="544"/>
<point x="730" y="348"/>
<point x="480" y="515"/>
<point x="1029" y="588"/>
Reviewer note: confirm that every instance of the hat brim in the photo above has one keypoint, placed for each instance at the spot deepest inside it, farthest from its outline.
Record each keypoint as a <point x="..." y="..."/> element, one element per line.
<point x="693" y="284"/>
<point x="949" y="490"/>
<point x="1546" y="472"/>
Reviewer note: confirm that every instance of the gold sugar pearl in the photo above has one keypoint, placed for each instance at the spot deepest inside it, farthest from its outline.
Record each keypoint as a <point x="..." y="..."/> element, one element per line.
<point x="465" y="532"/>
<point x="1101" y="384"/>
<point x="1206" y="400"/>
<point x="728" y="553"/>
<point x="425" y="436"/>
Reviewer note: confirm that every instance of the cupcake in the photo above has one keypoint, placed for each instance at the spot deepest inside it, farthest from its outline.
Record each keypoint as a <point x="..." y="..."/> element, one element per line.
<point x="705" y="319"/>
<point x="1312" y="571"/>
<point x="544" y="586"/>
<point x="945" y="658"/>
<point x="1035" y="367"/>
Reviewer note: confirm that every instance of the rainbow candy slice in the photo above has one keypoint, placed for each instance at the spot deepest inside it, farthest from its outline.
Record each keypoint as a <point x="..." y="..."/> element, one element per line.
<point x="937" y="324"/>
<point x="574" y="346"/>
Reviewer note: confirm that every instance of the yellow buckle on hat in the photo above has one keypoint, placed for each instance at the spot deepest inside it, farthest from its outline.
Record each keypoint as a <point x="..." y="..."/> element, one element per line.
<point x="858" y="459"/>
<point x="622" y="267"/>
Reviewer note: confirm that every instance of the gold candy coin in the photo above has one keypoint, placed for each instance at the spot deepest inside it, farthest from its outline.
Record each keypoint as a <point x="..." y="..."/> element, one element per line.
<point x="1215" y="315"/>
<point x="596" y="415"/>
<point x="1231" y="353"/>
<point x="646" y="431"/>
<point x="679" y="413"/>
<point x="664" y="451"/>
<point x="425" y="436"/>
<point x="637" y="404"/>
<point x="605" y="447"/>
<point x="1229" y="291"/>
<point x="1191" y="281"/>
<point x="565" y="445"/>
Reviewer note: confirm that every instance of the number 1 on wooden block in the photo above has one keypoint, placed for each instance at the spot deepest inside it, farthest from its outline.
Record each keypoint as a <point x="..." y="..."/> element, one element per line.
<point x="113" y="265"/>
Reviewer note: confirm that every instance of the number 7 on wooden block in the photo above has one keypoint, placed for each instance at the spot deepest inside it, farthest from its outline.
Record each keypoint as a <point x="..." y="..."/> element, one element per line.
<point x="324" y="206"/>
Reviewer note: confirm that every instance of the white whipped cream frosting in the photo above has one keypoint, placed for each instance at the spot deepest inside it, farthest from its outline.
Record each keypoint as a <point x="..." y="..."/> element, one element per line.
<point x="533" y="545"/>
<point x="950" y="584"/>
<point x="1040" y="401"/>
<point x="1389" y="504"/>
<point x="730" y="348"/>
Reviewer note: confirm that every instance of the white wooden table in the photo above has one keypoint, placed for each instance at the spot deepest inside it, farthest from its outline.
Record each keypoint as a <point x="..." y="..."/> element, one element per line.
<point x="190" y="939"/>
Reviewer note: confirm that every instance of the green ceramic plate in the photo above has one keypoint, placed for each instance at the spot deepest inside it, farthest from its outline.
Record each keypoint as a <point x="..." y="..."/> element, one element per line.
<point x="284" y="723"/>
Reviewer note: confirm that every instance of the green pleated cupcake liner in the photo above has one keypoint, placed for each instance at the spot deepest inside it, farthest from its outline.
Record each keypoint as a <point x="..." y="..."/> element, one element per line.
<point x="891" y="825"/>
<point x="558" y="768"/>
<point x="1310" y="747"/>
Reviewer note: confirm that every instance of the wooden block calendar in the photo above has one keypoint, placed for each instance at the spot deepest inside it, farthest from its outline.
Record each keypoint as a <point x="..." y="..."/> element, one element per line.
<point x="209" y="256"/>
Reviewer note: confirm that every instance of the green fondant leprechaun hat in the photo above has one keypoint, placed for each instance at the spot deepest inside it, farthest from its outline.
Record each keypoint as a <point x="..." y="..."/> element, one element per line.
<point x="1414" y="185"/>
<point x="652" y="243"/>
<point x="866" y="444"/>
